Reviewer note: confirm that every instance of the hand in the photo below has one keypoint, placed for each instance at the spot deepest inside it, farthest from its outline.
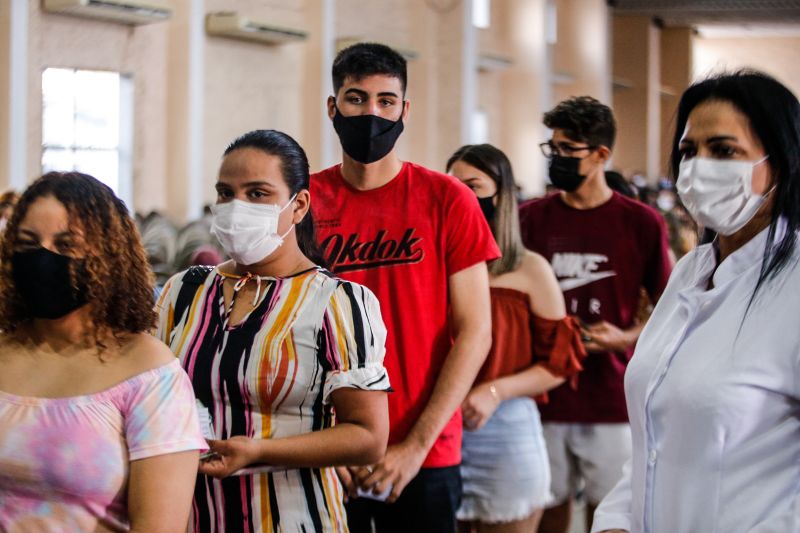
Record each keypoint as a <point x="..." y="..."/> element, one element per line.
<point x="604" y="336"/>
<point x="231" y="455"/>
<point x="348" y="477"/>
<point x="399" y="466"/>
<point x="479" y="406"/>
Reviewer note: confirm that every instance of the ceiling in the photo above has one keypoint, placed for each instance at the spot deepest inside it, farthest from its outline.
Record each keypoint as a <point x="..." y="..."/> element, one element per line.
<point x="760" y="13"/>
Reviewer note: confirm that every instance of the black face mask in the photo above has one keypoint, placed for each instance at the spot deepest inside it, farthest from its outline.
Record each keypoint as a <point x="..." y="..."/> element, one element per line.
<point x="42" y="280"/>
<point x="564" y="172"/>
<point x="367" y="138"/>
<point x="487" y="206"/>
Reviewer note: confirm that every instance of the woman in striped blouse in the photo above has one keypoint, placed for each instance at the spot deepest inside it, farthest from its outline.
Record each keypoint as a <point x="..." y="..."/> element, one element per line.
<point x="287" y="358"/>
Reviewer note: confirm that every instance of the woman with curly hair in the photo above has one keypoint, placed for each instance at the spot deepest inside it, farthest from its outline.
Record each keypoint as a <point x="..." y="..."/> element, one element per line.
<point x="87" y="440"/>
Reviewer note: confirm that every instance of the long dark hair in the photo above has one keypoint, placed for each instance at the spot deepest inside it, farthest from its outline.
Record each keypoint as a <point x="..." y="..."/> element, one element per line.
<point x="774" y="115"/>
<point x="294" y="166"/>
<point x="505" y="225"/>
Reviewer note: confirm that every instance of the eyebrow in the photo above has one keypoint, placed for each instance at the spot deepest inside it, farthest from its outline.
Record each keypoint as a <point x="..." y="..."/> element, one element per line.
<point x="264" y="184"/>
<point x="365" y="94"/>
<point x="716" y="138"/>
<point x="33" y="234"/>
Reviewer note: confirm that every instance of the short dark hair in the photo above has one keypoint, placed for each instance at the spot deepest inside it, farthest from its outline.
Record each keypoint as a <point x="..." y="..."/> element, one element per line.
<point x="774" y="114"/>
<point x="618" y="183"/>
<point x="294" y="166"/>
<point x="584" y="119"/>
<point x="367" y="59"/>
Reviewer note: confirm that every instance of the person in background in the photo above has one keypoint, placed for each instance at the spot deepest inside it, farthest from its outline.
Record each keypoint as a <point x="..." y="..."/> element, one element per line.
<point x="618" y="183"/>
<point x="535" y="347"/>
<point x="7" y="202"/>
<point x="604" y="249"/>
<point x="713" y="389"/>
<point x="287" y="357"/>
<point x="417" y="238"/>
<point x="98" y="426"/>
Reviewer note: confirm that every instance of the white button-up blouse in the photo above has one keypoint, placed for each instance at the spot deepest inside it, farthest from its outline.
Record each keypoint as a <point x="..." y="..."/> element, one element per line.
<point x="713" y="394"/>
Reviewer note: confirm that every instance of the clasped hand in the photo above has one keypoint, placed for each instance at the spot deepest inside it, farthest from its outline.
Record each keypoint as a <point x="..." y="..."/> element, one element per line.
<point x="605" y="336"/>
<point x="399" y="466"/>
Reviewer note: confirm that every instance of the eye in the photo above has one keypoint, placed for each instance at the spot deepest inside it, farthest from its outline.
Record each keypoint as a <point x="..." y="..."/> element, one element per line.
<point x="353" y="99"/>
<point x="687" y="152"/>
<point x="66" y="247"/>
<point x="25" y="245"/>
<point x="224" y="194"/>
<point x="257" y="194"/>
<point x="387" y="102"/>
<point x="723" y="151"/>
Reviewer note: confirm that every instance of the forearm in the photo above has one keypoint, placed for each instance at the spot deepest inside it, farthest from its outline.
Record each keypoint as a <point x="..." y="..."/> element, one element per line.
<point x="344" y="444"/>
<point x="455" y="380"/>
<point x="532" y="381"/>
<point x="634" y="331"/>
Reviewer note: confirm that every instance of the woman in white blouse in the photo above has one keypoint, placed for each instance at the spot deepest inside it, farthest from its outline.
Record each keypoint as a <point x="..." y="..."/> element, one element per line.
<point x="713" y="388"/>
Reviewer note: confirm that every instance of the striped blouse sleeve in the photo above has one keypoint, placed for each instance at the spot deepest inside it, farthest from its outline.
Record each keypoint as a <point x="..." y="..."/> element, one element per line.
<point x="355" y="341"/>
<point x="165" y="308"/>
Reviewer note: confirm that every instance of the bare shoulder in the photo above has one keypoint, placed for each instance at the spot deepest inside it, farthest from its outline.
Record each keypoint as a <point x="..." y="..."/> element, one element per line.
<point x="141" y="352"/>
<point x="547" y="300"/>
<point x="535" y="264"/>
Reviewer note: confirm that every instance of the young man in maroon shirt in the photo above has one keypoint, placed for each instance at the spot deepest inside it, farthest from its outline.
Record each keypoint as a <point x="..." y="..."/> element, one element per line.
<point x="418" y="240"/>
<point x="606" y="250"/>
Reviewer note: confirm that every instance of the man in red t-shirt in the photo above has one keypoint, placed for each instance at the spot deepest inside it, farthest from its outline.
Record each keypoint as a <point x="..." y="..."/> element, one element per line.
<point x="607" y="252"/>
<point x="418" y="240"/>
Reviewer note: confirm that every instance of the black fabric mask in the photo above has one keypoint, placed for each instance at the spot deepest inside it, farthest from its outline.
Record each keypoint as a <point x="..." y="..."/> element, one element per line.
<point x="564" y="172"/>
<point x="42" y="280"/>
<point x="487" y="206"/>
<point x="367" y="138"/>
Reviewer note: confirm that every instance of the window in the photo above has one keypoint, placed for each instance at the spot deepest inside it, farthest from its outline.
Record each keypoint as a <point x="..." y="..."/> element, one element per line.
<point x="480" y="126"/>
<point x="481" y="13"/>
<point x="87" y="125"/>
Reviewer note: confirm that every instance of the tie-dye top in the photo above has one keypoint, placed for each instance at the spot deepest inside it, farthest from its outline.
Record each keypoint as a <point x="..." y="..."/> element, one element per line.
<point x="64" y="462"/>
<point x="271" y="376"/>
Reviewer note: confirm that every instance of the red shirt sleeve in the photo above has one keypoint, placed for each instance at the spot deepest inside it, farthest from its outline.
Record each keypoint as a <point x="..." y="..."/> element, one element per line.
<point x="468" y="237"/>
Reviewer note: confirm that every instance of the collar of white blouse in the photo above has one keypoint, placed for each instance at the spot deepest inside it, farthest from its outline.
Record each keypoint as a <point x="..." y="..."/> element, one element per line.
<point x="745" y="258"/>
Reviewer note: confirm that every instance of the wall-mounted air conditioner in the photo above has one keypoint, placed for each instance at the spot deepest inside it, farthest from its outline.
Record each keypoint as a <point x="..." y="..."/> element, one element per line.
<point x="407" y="53"/>
<point x="124" y="11"/>
<point x="235" y="26"/>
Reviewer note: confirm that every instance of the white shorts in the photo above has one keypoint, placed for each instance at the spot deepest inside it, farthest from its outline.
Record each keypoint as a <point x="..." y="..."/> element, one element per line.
<point x="592" y="453"/>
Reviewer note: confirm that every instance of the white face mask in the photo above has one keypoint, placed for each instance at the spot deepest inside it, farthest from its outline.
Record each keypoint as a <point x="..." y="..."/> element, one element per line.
<point x="248" y="232"/>
<point x="719" y="194"/>
<point x="665" y="202"/>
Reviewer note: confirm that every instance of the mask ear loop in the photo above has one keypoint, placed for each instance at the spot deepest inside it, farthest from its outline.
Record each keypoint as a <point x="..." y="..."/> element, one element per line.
<point x="771" y="189"/>
<point x="282" y="210"/>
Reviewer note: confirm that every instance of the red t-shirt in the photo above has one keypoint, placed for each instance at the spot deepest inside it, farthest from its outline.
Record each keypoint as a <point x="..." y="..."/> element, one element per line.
<point x="403" y="241"/>
<point x="601" y="257"/>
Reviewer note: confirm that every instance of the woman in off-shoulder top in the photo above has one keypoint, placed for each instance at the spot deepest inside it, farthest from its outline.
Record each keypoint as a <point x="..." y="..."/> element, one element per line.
<point x="535" y="347"/>
<point x="98" y="426"/>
